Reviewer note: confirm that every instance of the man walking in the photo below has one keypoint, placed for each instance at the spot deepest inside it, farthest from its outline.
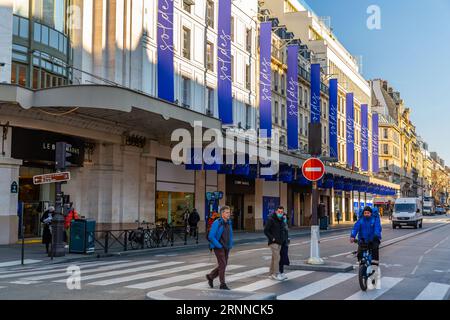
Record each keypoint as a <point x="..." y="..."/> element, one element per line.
<point x="274" y="231"/>
<point x="221" y="241"/>
<point x="193" y="220"/>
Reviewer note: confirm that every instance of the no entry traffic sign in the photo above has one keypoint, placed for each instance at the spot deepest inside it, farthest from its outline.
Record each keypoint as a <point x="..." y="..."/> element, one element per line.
<point x="313" y="169"/>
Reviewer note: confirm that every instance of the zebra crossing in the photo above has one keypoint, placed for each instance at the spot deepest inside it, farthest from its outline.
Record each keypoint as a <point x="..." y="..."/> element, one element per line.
<point x="162" y="276"/>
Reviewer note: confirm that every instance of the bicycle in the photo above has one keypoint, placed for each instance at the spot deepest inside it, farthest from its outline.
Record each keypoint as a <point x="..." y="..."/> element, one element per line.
<point x="162" y="235"/>
<point x="365" y="271"/>
<point x="136" y="237"/>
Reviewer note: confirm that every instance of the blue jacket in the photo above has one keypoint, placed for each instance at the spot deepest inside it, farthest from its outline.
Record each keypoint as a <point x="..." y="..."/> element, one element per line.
<point x="216" y="233"/>
<point x="367" y="228"/>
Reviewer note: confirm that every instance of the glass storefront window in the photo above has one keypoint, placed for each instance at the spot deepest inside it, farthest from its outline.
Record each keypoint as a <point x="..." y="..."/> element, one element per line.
<point x="51" y="12"/>
<point x="54" y="39"/>
<point x="45" y="35"/>
<point x="24" y="26"/>
<point x="16" y="26"/>
<point x="37" y="32"/>
<point x="170" y="206"/>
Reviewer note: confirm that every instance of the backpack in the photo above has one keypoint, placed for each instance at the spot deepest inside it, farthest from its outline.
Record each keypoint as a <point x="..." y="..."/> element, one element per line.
<point x="209" y="225"/>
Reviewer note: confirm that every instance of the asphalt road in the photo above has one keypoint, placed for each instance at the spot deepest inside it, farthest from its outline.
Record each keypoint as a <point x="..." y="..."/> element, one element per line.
<point x="414" y="265"/>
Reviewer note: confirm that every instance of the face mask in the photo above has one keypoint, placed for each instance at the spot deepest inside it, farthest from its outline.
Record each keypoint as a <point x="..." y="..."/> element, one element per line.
<point x="280" y="215"/>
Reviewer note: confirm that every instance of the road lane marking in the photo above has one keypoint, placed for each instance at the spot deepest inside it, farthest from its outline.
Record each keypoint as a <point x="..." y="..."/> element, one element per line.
<point x="341" y="254"/>
<point x="428" y="251"/>
<point x="420" y="259"/>
<point x="316" y="287"/>
<point x="149" y="274"/>
<point x="31" y="273"/>
<point x="180" y="278"/>
<point x="120" y="272"/>
<point x="232" y="278"/>
<point x="258" y="285"/>
<point x="415" y="269"/>
<point x="434" y="291"/>
<point x="18" y="262"/>
<point x="387" y="283"/>
<point x="102" y="269"/>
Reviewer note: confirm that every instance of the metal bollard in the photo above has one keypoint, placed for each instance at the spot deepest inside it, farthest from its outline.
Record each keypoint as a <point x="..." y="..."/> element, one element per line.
<point x="106" y="241"/>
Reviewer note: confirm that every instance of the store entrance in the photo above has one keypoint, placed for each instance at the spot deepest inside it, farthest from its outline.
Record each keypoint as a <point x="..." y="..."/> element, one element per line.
<point x="34" y="200"/>
<point x="236" y="203"/>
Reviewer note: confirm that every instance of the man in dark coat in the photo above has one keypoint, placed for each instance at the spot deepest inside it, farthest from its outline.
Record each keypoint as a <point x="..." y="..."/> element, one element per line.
<point x="46" y="219"/>
<point x="193" y="220"/>
<point x="275" y="233"/>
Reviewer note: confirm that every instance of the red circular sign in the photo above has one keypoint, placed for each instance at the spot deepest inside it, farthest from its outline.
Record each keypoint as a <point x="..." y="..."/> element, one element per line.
<point x="313" y="169"/>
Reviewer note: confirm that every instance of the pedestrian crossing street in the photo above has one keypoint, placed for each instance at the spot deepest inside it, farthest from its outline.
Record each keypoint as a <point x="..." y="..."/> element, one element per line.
<point x="155" y="275"/>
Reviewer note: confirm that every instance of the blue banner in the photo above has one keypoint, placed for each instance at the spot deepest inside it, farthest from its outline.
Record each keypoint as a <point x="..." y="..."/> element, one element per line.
<point x="375" y="160"/>
<point x="365" y="137"/>
<point x="265" y="79"/>
<point x="224" y="80"/>
<point x="165" y="50"/>
<point x="350" y="131"/>
<point x="333" y="121"/>
<point x="292" y="97"/>
<point x="315" y="93"/>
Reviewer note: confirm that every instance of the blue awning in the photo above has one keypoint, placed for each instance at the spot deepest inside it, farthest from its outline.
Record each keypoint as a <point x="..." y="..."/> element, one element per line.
<point x="286" y="173"/>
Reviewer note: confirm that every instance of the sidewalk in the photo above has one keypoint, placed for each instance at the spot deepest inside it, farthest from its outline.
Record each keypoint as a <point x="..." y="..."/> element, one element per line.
<point x="34" y="251"/>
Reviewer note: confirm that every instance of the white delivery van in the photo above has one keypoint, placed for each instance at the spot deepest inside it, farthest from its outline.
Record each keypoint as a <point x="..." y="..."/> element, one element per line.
<point x="407" y="212"/>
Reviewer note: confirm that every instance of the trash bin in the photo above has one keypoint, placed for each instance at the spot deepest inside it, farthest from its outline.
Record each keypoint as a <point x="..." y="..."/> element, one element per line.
<point x="324" y="223"/>
<point x="82" y="236"/>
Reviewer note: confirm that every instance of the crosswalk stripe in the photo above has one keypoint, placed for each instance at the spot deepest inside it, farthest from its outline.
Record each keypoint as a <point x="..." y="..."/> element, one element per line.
<point x="17" y="263"/>
<point x="149" y="274"/>
<point x="101" y="269"/>
<point x="120" y="272"/>
<point x="387" y="283"/>
<point x="232" y="278"/>
<point x="316" y="287"/>
<point x="171" y="280"/>
<point x="40" y="271"/>
<point x="434" y="291"/>
<point x="258" y="285"/>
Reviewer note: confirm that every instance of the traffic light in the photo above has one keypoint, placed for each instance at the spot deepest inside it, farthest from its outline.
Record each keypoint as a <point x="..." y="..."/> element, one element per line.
<point x="62" y="153"/>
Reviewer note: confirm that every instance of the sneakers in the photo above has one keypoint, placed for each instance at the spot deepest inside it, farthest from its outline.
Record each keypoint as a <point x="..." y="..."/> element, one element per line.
<point x="277" y="277"/>
<point x="283" y="276"/>
<point x="210" y="281"/>
<point x="224" y="287"/>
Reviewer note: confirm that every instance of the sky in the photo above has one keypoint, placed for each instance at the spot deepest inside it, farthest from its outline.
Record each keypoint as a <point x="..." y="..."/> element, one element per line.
<point x="411" y="51"/>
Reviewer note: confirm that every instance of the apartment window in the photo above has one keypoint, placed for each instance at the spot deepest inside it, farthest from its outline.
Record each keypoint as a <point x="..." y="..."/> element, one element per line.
<point x="385" y="134"/>
<point x="306" y="125"/>
<point x="248" y="40"/>
<point x="248" y="76"/>
<point x="186" y="92"/>
<point x="283" y="84"/>
<point x="283" y="115"/>
<point x="210" y="56"/>
<point x="210" y="13"/>
<point x="325" y="134"/>
<point x="187" y="5"/>
<point x="300" y="96"/>
<point x="186" y="43"/>
<point x="248" y="116"/>
<point x="301" y="124"/>
<point x="276" y="112"/>
<point x="210" y="105"/>
<point x="386" y="164"/>
<point x="275" y="81"/>
<point x="306" y="98"/>
<point x="232" y="28"/>
<point x="283" y="141"/>
<point x="325" y="108"/>
<point x="385" y="149"/>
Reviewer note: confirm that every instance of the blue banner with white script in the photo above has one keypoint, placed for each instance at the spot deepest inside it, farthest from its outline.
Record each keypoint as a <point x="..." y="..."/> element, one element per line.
<point x="350" y="130"/>
<point x="315" y="93"/>
<point x="265" y="79"/>
<point x="165" y="50"/>
<point x="292" y="97"/>
<point x="365" y="137"/>
<point x="333" y="114"/>
<point x="224" y="80"/>
<point x="375" y="160"/>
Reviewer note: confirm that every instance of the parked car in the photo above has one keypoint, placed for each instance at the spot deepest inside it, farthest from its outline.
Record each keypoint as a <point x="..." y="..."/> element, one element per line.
<point x="440" y="210"/>
<point x="407" y="212"/>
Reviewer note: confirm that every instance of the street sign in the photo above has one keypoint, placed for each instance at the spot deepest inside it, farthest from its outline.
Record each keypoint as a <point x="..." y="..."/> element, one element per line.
<point x="51" y="178"/>
<point x="313" y="169"/>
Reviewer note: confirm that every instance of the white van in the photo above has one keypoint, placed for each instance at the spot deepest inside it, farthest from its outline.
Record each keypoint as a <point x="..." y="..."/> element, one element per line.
<point x="407" y="212"/>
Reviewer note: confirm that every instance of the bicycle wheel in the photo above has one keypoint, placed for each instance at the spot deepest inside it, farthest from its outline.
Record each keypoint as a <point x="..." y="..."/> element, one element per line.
<point x="362" y="277"/>
<point x="165" y="239"/>
<point x="147" y="239"/>
<point x="152" y="241"/>
<point x="134" y="243"/>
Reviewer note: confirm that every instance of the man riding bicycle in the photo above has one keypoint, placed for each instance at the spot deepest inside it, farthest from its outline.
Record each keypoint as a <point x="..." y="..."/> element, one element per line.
<point x="368" y="231"/>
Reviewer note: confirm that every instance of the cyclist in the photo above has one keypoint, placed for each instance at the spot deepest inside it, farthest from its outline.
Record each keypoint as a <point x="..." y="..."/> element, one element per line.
<point x="368" y="230"/>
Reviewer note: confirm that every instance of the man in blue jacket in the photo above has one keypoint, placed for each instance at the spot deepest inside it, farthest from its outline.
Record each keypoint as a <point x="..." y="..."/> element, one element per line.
<point x="368" y="230"/>
<point x="221" y="241"/>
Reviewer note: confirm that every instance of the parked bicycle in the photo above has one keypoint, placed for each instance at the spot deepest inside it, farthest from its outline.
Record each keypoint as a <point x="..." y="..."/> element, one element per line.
<point x="162" y="235"/>
<point x="366" y="270"/>
<point x="136" y="237"/>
